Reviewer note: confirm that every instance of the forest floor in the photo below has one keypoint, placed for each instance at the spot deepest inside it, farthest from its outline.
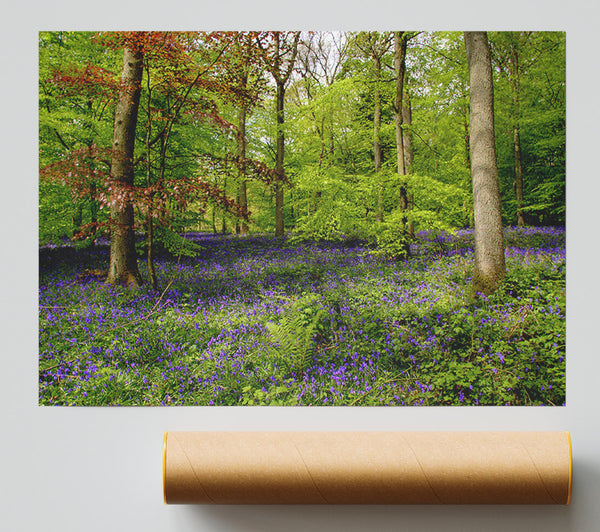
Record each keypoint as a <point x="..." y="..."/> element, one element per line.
<point x="254" y="321"/>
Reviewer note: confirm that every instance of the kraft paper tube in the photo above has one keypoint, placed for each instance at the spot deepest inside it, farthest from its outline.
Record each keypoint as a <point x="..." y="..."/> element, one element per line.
<point x="367" y="467"/>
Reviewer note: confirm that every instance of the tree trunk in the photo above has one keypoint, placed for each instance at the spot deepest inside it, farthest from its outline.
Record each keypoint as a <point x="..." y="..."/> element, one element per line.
<point x="281" y="70"/>
<point x="94" y="208"/>
<point x="467" y="142"/>
<point x="518" y="176"/>
<point x="150" y="250"/>
<point x="321" y="132"/>
<point x="406" y="133"/>
<point x="376" y="135"/>
<point x="77" y="217"/>
<point x="149" y="222"/>
<point x="123" y="268"/>
<point x="408" y="148"/>
<point x="466" y="133"/>
<point x="243" y="190"/>
<point x="516" y="90"/>
<point x="490" y="267"/>
<point x="400" y="67"/>
<point x="279" y="225"/>
<point x="224" y="218"/>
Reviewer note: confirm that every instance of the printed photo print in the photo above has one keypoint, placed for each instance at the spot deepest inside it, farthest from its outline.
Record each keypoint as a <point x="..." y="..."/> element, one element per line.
<point x="302" y="218"/>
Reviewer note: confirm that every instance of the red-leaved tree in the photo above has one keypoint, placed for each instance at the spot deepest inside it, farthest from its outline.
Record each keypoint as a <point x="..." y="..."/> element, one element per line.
<point x="173" y="77"/>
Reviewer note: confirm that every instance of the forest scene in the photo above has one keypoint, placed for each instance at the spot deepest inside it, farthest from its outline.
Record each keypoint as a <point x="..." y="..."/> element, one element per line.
<point x="302" y="218"/>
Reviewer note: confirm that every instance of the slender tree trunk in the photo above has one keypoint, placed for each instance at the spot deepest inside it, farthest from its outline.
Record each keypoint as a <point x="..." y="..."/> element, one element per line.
<point x="465" y="123"/>
<point x="467" y="141"/>
<point x="516" y="90"/>
<point x="376" y="135"/>
<point x="150" y="249"/>
<point x="292" y="209"/>
<point x="279" y="225"/>
<point x="490" y="266"/>
<point x="243" y="190"/>
<point x="77" y="216"/>
<point x="408" y="147"/>
<point x="123" y="268"/>
<point x="406" y="133"/>
<point x="331" y="138"/>
<point x="94" y="208"/>
<point x="321" y="132"/>
<point x="281" y="74"/>
<point x="224" y="218"/>
<point x="400" y="68"/>
<point x="149" y="222"/>
<point x="518" y="176"/>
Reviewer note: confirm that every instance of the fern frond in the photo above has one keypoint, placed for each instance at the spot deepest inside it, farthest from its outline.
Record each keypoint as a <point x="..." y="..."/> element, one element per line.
<point x="292" y="337"/>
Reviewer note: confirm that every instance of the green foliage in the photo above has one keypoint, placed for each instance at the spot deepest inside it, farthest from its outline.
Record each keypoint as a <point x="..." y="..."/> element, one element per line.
<point x="174" y="243"/>
<point x="293" y="335"/>
<point x="55" y="213"/>
<point x="328" y="132"/>
<point x="331" y="204"/>
<point x="531" y="98"/>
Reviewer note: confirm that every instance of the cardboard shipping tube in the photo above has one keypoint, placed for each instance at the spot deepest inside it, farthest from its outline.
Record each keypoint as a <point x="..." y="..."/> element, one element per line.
<point x="367" y="467"/>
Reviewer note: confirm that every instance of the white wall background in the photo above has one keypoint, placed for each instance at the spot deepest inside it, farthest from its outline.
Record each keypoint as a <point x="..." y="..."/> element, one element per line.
<point x="99" y="469"/>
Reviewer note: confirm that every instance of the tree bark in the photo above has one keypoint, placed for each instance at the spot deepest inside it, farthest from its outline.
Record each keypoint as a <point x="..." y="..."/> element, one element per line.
<point x="408" y="147"/>
<point x="149" y="221"/>
<point x="281" y="74"/>
<point x="376" y="133"/>
<point x="490" y="268"/>
<point x="518" y="176"/>
<point x="77" y="216"/>
<point x="123" y="268"/>
<point x="516" y="91"/>
<point x="465" y="123"/>
<point x="243" y="191"/>
<point x="406" y="133"/>
<point x="400" y="67"/>
<point x="224" y="229"/>
<point x="280" y="153"/>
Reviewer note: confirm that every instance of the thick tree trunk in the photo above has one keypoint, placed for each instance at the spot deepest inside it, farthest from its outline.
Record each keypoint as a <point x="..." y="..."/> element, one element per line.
<point x="490" y="266"/>
<point x="123" y="268"/>
<point x="400" y="67"/>
<point x="280" y="153"/>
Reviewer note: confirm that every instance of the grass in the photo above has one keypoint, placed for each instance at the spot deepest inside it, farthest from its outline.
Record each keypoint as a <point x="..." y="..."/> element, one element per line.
<point x="252" y="321"/>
